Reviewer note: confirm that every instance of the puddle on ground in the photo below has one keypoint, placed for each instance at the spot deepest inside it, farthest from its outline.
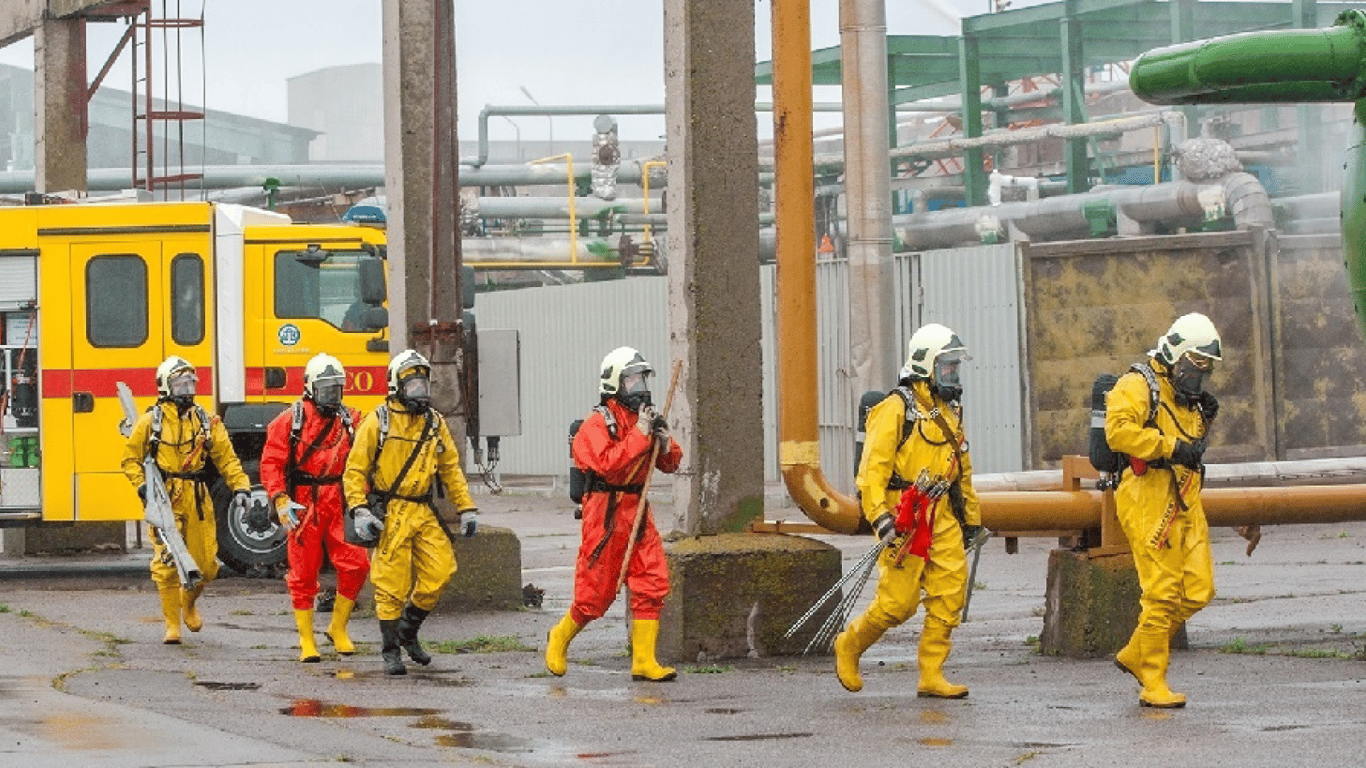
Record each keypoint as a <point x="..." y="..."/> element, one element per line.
<point x="436" y="677"/>
<point x="933" y="717"/>
<point x="723" y="711"/>
<point x="1284" y="727"/>
<point x="760" y="737"/>
<point x="215" y="686"/>
<point x="344" y="674"/>
<point x="442" y="723"/>
<point x="934" y="741"/>
<point x="316" y="708"/>
<point x="488" y="741"/>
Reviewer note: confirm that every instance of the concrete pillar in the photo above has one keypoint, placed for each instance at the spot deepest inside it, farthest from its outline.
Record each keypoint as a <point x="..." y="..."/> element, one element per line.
<point x="425" y="313"/>
<point x="713" y="251"/>
<point x="1091" y="604"/>
<point x="420" y="151"/>
<point x="732" y="594"/>
<point x="59" y="102"/>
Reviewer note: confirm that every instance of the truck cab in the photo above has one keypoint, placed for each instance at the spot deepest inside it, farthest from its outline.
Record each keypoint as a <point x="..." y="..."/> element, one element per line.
<point x="96" y="294"/>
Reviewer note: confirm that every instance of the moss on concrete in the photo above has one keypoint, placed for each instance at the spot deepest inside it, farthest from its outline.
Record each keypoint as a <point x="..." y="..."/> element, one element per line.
<point x="735" y="594"/>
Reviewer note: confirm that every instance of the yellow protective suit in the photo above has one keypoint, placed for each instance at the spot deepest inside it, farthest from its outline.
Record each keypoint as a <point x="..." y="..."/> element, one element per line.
<point x="1171" y="547"/>
<point x="942" y="580"/>
<point x="413" y="560"/>
<point x="184" y="450"/>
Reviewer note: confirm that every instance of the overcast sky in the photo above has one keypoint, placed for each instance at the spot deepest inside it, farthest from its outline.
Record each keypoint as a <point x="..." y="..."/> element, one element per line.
<point x="562" y="53"/>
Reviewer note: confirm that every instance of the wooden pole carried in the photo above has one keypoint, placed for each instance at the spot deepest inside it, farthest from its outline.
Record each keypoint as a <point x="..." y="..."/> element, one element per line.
<point x="645" y="488"/>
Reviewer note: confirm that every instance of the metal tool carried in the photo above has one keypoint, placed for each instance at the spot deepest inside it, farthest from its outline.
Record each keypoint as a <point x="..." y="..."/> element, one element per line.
<point x="157" y="510"/>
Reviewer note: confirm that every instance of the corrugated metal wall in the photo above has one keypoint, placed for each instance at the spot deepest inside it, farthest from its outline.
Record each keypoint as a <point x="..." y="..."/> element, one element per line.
<point x="566" y="330"/>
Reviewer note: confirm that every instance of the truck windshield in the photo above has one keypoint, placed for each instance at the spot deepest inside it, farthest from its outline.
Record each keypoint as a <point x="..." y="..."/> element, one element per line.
<point x="326" y="289"/>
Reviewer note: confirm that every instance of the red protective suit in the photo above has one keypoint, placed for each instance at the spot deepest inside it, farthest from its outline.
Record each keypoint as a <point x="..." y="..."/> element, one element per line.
<point x="321" y="453"/>
<point x="608" y="517"/>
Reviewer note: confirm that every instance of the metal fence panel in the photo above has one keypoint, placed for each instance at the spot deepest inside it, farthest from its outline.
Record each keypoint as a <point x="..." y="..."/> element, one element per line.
<point x="566" y="330"/>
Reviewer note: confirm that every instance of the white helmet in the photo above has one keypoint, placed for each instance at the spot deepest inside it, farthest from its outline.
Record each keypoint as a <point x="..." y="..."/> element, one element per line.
<point x="324" y="380"/>
<point x="933" y="354"/>
<point x="176" y="379"/>
<point x="1193" y="334"/>
<point x="926" y="345"/>
<point x="619" y="365"/>
<point x="410" y="380"/>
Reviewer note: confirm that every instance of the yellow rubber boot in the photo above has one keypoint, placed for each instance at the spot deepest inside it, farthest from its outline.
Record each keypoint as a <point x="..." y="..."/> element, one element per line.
<point x="644" y="635"/>
<point x="308" y="648"/>
<point x="849" y="646"/>
<point x="170" y="611"/>
<point x="1155" y="648"/>
<point x="557" y="645"/>
<point x="193" y="621"/>
<point x="1130" y="657"/>
<point x="934" y="649"/>
<point x="336" y="631"/>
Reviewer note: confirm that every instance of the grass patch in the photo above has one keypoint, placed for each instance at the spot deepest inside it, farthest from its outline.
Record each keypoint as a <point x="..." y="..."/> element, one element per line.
<point x="481" y="644"/>
<point x="1239" y="645"/>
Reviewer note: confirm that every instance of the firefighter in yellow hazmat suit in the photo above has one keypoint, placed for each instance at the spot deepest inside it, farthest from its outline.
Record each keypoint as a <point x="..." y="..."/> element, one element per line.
<point x="401" y="450"/>
<point x="916" y="445"/>
<point x="185" y="438"/>
<point x="1158" y="498"/>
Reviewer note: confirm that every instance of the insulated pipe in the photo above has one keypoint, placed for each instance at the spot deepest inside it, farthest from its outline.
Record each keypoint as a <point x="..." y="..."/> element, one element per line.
<point x="1241" y="193"/>
<point x="490" y="110"/>
<point x="554" y="207"/>
<point x="799" y="452"/>
<point x="353" y="175"/>
<point x="1292" y="66"/>
<point x="1026" y="511"/>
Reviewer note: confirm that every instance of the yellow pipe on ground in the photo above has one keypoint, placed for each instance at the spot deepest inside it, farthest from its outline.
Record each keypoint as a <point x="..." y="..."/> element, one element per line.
<point x="1025" y="511"/>
<point x="795" y="210"/>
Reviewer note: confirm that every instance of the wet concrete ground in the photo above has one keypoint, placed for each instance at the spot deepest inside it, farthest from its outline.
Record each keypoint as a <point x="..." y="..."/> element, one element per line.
<point x="1275" y="676"/>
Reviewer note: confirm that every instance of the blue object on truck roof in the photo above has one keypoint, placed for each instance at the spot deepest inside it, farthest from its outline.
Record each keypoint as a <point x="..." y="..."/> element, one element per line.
<point x="365" y="214"/>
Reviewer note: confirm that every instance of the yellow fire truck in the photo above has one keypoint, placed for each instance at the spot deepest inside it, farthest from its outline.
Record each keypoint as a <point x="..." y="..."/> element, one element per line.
<point x="93" y="294"/>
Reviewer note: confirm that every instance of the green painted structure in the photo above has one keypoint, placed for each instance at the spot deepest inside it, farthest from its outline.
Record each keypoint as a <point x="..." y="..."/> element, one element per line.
<point x="1292" y="66"/>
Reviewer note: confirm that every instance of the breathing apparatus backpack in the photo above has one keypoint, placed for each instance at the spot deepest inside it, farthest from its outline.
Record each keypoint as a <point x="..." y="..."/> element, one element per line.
<point x="579" y="477"/>
<point x="1104" y="458"/>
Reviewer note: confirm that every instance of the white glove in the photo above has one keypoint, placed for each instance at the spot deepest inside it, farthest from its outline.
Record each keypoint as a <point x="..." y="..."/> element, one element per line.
<point x="645" y="419"/>
<point x="368" y="527"/>
<point x="287" y="510"/>
<point x="469" y="522"/>
<point x="885" y="528"/>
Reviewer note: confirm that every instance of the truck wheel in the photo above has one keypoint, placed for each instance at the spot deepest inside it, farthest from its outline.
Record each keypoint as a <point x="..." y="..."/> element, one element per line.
<point x="244" y="545"/>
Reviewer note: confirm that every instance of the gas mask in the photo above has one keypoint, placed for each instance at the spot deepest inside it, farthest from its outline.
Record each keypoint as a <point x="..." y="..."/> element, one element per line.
<point x="327" y="396"/>
<point x="635" y="390"/>
<point x="1189" y="374"/>
<point x="415" y="392"/>
<point x="946" y="383"/>
<point x="180" y="389"/>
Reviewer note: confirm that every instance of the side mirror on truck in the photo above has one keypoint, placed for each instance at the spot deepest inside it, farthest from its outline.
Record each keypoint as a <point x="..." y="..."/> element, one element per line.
<point x="372" y="288"/>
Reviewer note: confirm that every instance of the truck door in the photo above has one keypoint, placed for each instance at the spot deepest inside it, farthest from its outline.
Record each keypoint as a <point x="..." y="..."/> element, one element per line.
<point x="133" y="303"/>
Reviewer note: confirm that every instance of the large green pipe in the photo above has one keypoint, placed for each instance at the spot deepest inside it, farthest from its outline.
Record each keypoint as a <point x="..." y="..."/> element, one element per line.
<point x="1289" y="66"/>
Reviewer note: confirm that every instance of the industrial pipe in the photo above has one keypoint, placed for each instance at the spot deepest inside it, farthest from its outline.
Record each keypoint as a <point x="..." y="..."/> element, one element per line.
<point x="1025" y="511"/>
<point x="795" y="209"/>
<point x="1289" y="66"/>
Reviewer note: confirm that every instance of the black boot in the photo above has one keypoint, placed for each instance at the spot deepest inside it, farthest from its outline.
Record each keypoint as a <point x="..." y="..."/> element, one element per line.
<point x="408" y="625"/>
<point x="393" y="659"/>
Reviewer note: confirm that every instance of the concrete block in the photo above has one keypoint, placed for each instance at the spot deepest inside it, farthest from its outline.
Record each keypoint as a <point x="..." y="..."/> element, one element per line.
<point x="735" y="594"/>
<point x="1091" y="605"/>
<point x="488" y="574"/>
<point x="75" y="538"/>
